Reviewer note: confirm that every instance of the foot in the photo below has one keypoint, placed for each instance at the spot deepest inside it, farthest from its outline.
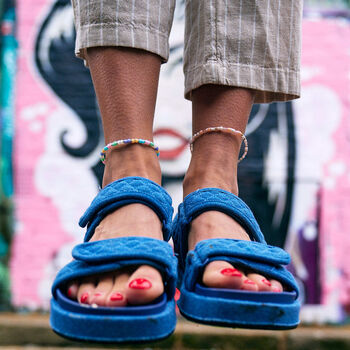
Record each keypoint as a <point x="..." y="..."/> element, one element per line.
<point x="134" y="285"/>
<point x="215" y="224"/>
<point x="221" y="274"/>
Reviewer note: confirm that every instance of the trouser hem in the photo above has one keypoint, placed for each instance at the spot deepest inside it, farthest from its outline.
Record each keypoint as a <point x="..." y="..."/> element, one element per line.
<point x="270" y="84"/>
<point x="122" y="36"/>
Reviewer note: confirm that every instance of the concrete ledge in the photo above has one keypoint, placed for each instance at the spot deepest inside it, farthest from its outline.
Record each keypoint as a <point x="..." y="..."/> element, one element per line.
<point x="33" y="330"/>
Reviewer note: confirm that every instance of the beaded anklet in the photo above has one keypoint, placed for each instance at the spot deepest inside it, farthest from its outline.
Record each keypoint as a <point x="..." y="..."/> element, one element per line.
<point x="118" y="143"/>
<point x="221" y="129"/>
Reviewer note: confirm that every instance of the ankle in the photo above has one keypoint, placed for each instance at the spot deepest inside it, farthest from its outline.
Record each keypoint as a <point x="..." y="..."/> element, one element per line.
<point x="132" y="160"/>
<point x="204" y="177"/>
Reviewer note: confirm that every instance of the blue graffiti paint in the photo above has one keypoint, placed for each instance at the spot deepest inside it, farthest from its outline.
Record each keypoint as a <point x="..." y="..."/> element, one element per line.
<point x="8" y="69"/>
<point x="8" y="72"/>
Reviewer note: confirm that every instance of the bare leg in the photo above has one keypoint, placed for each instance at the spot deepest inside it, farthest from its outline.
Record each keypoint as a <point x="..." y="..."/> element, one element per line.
<point x="125" y="82"/>
<point x="214" y="164"/>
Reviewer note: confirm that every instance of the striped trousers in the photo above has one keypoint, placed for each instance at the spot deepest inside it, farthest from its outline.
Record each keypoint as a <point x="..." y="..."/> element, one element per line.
<point x="252" y="44"/>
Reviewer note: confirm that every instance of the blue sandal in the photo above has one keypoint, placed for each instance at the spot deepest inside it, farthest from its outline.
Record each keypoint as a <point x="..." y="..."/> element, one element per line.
<point x="228" y="307"/>
<point x="150" y="322"/>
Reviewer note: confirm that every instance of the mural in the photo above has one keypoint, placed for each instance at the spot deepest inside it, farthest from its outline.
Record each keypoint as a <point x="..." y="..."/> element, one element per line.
<point x="295" y="177"/>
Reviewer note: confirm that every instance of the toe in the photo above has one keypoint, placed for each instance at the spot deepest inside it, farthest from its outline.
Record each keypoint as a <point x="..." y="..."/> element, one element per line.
<point x="249" y="285"/>
<point x="72" y="291"/>
<point x="262" y="282"/>
<point x="221" y="274"/>
<point x="276" y="286"/>
<point x="86" y="291"/>
<point x="117" y="295"/>
<point x="102" y="290"/>
<point x="144" y="285"/>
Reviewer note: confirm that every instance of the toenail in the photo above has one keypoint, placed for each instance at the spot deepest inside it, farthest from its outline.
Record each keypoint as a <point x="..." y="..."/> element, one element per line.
<point x="247" y="281"/>
<point x="231" y="272"/>
<point x="266" y="282"/>
<point x="140" y="283"/>
<point x="276" y="290"/>
<point x="84" y="298"/>
<point x="116" y="296"/>
<point x="97" y="294"/>
<point x="69" y="291"/>
<point x="177" y="295"/>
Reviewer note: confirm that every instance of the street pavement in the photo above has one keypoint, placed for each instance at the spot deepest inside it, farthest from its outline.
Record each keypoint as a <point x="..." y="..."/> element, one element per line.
<point x="32" y="332"/>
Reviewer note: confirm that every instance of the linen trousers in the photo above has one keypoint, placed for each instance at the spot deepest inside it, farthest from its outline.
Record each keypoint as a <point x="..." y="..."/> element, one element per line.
<point x="252" y="44"/>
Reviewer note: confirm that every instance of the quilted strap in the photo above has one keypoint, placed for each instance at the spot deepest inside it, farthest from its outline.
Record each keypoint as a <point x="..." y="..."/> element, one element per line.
<point x="259" y="252"/>
<point x="127" y="191"/>
<point x="260" y="257"/>
<point x="212" y="199"/>
<point x="109" y="255"/>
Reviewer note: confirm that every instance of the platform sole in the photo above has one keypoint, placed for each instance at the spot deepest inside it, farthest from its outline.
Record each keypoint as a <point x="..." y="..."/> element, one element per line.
<point x="113" y="329"/>
<point x="238" y="313"/>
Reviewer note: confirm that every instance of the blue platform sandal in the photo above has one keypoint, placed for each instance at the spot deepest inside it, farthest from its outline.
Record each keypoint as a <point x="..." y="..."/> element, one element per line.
<point x="228" y="307"/>
<point x="149" y="322"/>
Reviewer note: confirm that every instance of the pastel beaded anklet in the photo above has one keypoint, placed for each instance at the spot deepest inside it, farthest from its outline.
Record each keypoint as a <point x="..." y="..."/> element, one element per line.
<point x="126" y="142"/>
<point x="221" y="129"/>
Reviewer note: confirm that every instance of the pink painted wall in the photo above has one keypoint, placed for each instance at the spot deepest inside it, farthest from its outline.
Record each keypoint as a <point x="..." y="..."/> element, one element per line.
<point x="323" y="129"/>
<point x="326" y="57"/>
<point x="38" y="229"/>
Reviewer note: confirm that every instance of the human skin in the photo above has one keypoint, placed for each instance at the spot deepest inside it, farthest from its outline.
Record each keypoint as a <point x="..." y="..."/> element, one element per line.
<point x="126" y="83"/>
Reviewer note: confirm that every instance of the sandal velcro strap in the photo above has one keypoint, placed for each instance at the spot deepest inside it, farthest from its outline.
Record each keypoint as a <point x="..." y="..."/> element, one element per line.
<point x="208" y="199"/>
<point x="235" y="248"/>
<point x="220" y="200"/>
<point x="258" y="257"/>
<point x="125" y="191"/>
<point x="109" y="255"/>
<point x="126" y="248"/>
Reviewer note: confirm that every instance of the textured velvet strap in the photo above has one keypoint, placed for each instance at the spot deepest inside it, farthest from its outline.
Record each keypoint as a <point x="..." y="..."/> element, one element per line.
<point x="211" y="199"/>
<point x="127" y="191"/>
<point x="255" y="256"/>
<point x="220" y="200"/>
<point x="109" y="255"/>
<point x="241" y="249"/>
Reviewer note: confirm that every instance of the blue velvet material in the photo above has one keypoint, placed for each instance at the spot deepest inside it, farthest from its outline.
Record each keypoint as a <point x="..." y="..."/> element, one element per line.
<point x="225" y="307"/>
<point x="132" y="323"/>
<point x="111" y="254"/>
<point x="113" y="328"/>
<point x="125" y="191"/>
<point x="211" y="199"/>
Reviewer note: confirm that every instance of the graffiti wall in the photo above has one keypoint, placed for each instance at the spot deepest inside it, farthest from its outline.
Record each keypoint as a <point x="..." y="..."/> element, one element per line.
<point x="295" y="178"/>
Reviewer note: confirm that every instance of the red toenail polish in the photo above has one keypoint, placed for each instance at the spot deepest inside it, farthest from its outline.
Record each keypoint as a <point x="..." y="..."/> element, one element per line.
<point x="84" y="298"/>
<point x="116" y="296"/>
<point x="268" y="283"/>
<point x="177" y="295"/>
<point x="248" y="282"/>
<point x="140" y="283"/>
<point x="276" y="290"/>
<point x="97" y="294"/>
<point x="69" y="292"/>
<point x="231" y="272"/>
